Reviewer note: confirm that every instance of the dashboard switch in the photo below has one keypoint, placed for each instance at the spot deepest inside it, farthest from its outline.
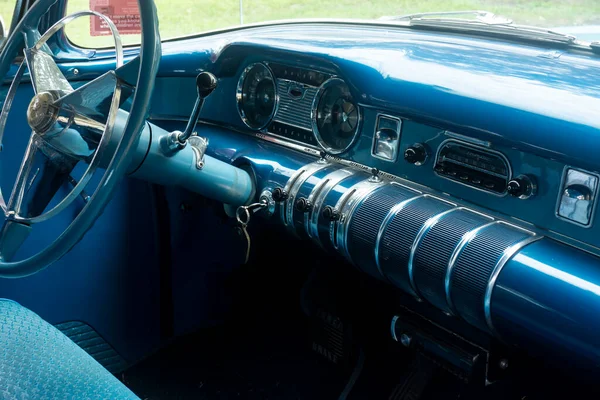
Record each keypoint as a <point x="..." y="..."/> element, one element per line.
<point x="303" y="205"/>
<point x="522" y="187"/>
<point x="330" y="213"/>
<point x="416" y="154"/>
<point x="279" y="195"/>
<point x="578" y="196"/>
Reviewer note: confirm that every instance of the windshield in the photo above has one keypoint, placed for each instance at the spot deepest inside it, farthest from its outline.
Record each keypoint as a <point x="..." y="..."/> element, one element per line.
<point x="187" y="17"/>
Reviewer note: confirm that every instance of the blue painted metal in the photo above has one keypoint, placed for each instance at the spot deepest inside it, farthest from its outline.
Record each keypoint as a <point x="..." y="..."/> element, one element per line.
<point x="217" y="179"/>
<point x="548" y="295"/>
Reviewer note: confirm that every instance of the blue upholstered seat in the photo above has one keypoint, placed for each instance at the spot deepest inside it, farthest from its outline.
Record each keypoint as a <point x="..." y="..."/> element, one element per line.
<point x="38" y="362"/>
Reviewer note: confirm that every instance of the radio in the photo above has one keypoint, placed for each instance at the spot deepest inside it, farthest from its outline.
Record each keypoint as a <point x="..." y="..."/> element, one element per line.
<point x="481" y="168"/>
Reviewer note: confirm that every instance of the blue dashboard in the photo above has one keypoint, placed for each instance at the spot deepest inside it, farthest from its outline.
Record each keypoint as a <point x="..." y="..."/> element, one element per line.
<point x="531" y="106"/>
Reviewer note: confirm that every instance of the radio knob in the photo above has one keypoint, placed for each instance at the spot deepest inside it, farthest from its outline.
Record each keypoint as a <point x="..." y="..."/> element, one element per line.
<point x="279" y="195"/>
<point x="303" y="205"/>
<point x="416" y="154"/>
<point x="521" y="187"/>
<point x="330" y="213"/>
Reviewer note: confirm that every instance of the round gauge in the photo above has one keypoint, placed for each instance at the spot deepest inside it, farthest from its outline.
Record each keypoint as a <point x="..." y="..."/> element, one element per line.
<point x="335" y="117"/>
<point x="256" y="96"/>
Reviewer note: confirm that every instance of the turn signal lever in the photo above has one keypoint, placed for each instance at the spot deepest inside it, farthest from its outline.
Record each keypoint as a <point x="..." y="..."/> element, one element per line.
<point x="206" y="83"/>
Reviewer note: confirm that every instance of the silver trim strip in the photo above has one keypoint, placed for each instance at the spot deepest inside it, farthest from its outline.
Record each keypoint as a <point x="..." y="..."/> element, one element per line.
<point x="466" y="239"/>
<point x="390" y="215"/>
<point x="393" y="327"/>
<point x="506" y="256"/>
<point x="420" y="235"/>
<point x="352" y="205"/>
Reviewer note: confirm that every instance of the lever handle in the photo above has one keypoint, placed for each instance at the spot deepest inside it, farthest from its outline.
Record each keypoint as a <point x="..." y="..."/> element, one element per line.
<point x="206" y="83"/>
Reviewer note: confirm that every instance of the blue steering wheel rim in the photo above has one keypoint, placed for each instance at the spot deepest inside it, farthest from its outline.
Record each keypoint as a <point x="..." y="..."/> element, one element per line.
<point x="150" y="54"/>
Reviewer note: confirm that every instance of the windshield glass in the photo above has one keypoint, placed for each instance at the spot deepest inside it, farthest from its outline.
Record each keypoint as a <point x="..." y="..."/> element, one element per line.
<point x="186" y="17"/>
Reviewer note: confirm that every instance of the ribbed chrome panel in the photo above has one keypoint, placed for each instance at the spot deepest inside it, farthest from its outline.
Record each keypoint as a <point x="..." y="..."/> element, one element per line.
<point x="474" y="267"/>
<point x="399" y="235"/>
<point x="293" y="110"/>
<point x="364" y="227"/>
<point x="433" y="253"/>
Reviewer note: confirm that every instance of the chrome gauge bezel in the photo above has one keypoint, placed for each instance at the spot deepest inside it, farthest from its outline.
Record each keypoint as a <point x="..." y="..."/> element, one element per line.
<point x="313" y="117"/>
<point x="239" y="93"/>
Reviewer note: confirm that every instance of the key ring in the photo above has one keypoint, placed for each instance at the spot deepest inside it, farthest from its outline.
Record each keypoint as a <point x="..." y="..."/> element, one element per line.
<point x="242" y="215"/>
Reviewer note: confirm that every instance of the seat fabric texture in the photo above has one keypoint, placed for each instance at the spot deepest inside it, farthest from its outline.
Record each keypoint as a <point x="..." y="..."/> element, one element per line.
<point x="39" y="362"/>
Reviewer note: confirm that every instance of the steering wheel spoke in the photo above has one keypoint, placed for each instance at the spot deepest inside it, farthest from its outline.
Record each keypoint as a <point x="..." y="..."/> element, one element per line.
<point x="45" y="74"/>
<point x="43" y="171"/>
<point x="94" y="99"/>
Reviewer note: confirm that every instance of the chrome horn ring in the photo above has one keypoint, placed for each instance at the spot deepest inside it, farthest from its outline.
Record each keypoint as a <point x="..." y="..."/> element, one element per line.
<point x="43" y="112"/>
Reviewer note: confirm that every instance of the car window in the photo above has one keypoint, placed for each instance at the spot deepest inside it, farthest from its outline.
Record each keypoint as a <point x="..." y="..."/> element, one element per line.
<point x="186" y="17"/>
<point x="7" y="7"/>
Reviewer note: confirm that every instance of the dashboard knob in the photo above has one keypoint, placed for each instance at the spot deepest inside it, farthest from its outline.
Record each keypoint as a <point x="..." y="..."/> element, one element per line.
<point x="279" y="195"/>
<point x="303" y="205"/>
<point x="330" y="213"/>
<point x="522" y="187"/>
<point x="416" y="154"/>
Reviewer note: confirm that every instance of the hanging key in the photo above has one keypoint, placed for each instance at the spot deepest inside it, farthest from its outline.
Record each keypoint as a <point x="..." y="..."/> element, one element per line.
<point x="243" y="215"/>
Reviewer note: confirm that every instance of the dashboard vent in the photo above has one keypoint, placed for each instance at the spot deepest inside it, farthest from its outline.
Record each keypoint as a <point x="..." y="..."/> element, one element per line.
<point x="295" y="104"/>
<point x="365" y="223"/>
<point x="432" y="256"/>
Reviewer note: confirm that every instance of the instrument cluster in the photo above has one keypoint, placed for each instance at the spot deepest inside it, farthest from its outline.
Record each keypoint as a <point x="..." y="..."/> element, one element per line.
<point x="309" y="107"/>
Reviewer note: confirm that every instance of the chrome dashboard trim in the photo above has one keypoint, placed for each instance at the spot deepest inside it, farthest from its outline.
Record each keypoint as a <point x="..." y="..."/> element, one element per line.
<point x="352" y="203"/>
<point x="476" y="147"/>
<point x="506" y="256"/>
<point x="390" y="215"/>
<point x="467" y="237"/>
<point x="308" y="171"/>
<point x="313" y="117"/>
<point x="332" y="180"/>
<point x="422" y="232"/>
<point x="346" y="206"/>
<point x="239" y="95"/>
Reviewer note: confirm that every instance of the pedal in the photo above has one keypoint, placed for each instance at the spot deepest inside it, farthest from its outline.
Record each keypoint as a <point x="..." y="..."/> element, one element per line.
<point x="331" y="337"/>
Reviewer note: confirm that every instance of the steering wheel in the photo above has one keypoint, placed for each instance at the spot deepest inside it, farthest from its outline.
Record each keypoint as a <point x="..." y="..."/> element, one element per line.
<point x="70" y="126"/>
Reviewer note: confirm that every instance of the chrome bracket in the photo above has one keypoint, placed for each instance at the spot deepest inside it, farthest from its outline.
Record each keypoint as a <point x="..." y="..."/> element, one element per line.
<point x="199" y="146"/>
<point x="266" y="197"/>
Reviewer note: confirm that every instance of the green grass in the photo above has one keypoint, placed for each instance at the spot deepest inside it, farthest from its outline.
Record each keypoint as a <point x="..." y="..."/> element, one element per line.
<point x="184" y="17"/>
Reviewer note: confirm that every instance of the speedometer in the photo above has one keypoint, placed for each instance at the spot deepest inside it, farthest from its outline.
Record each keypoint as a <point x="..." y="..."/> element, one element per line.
<point x="335" y="117"/>
<point x="256" y="96"/>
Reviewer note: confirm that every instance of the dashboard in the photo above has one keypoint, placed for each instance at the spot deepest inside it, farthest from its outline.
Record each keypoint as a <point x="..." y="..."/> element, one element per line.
<point x="317" y="110"/>
<point x="463" y="171"/>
